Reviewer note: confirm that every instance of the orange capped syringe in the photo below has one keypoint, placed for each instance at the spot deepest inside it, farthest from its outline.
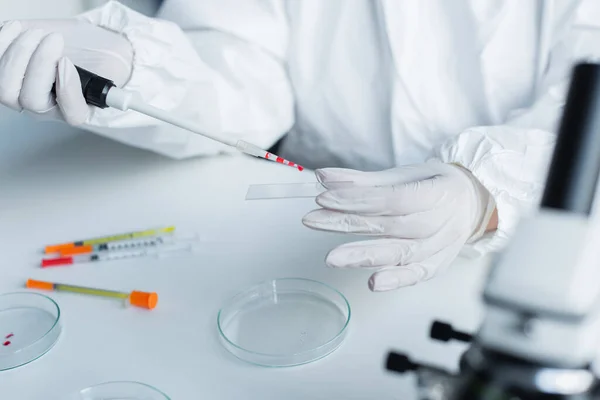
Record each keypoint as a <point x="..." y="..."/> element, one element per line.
<point x="136" y="298"/>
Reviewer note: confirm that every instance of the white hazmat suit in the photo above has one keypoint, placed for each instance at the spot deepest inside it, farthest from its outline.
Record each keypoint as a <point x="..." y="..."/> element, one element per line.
<point x="366" y="84"/>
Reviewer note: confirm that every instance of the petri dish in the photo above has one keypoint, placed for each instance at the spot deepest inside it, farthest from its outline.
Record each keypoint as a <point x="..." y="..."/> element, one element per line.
<point x="120" y="391"/>
<point x="29" y="328"/>
<point x="284" y="322"/>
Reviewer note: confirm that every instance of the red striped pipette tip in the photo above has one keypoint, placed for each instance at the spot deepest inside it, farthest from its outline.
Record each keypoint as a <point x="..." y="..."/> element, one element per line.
<point x="280" y="160"/>
<point x="256" y="151"/>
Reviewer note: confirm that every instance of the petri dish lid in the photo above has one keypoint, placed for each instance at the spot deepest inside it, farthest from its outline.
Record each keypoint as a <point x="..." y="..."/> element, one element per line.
<point x="120" y="391"/>
<point x="284" y="322"/>
<point x="29" y="328"/>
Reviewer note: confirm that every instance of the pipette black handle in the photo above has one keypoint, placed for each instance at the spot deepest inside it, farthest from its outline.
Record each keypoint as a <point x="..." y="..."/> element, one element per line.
<point x="445" y="332"/>
<point x="94" y="87"/>
<point x="571" y="181"/>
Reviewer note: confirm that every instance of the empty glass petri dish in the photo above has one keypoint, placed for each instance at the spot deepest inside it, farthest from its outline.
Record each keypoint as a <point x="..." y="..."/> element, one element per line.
<point x="284" y="322"/>
<point x="120" y="391"/>
<point x="29" y="328"/>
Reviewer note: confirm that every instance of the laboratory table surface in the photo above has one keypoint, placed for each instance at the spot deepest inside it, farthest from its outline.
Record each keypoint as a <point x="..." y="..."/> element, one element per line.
<point x="58" y="183"/>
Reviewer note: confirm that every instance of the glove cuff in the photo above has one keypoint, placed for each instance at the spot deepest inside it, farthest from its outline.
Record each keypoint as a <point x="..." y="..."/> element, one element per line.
<point x="510" y="163"/>
<point x="487" y="205"/>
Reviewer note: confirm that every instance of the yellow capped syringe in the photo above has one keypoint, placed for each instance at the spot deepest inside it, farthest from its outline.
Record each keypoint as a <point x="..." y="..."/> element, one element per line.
<point x="56" y="248"/>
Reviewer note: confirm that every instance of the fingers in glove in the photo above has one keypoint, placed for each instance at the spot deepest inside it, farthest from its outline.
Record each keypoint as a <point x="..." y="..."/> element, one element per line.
<point x="409" y="173"/>
<point x="393" y="277"/>
<point x="68" y="93"/>
<point x="377" y="253"/>
<point x="36" y="93"/>
<point x="412" y="226"/>
<point x="397" y="199"/>
<point x="8" y="33"/>
<point x="13" y="65"/>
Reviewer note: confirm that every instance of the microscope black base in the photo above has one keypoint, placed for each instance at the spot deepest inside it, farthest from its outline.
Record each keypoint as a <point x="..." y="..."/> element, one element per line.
<point x="488" y="375"/>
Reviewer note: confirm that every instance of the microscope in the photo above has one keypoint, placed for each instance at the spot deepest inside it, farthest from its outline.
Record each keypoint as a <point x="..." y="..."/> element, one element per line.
<point x="541" y="329"/>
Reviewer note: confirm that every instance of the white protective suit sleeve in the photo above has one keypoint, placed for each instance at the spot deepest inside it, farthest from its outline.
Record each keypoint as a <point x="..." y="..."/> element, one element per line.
<point x="511" y="160"/>
<point x="230" y="82"/>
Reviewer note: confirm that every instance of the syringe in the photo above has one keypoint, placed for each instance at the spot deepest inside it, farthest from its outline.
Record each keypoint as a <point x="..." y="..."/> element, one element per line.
<point x="136" y="298"/>
<point x="57" y="248"/>
<point x="112" y="256"/>
<point x="103" y="93"/>
<point x="133" y="244"/>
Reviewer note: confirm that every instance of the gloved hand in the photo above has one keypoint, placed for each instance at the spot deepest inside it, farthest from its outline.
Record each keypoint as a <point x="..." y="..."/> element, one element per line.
<point x="421" y="214"/>
<point x="35" y="54"/>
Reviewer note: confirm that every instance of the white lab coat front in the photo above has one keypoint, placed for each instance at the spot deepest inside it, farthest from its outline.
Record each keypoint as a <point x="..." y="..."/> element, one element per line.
<point x="367" y="84"/>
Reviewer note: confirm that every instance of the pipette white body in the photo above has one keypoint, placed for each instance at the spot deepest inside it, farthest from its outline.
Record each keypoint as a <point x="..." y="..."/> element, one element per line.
<point x="126" y="100"/>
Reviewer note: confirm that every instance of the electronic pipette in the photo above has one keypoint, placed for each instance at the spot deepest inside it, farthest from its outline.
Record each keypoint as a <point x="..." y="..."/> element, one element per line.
<point x="103" y="93"/>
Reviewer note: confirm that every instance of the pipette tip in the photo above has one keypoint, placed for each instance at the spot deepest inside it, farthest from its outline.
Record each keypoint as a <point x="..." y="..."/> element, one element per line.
<point x="256" y="151"/>
<point x="275" y="158"/>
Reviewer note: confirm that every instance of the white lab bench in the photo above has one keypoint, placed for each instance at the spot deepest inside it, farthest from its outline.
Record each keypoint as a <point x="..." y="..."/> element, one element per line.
<point x="57" y="184"/>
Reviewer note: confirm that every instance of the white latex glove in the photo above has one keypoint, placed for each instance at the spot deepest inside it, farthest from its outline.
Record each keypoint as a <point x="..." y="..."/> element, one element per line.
<point x="34" y="55"/>
<point x="422" y="215"/>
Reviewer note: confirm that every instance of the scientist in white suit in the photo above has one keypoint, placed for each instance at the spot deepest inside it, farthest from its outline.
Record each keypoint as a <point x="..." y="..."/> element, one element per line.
<point x="446" y="111"/>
